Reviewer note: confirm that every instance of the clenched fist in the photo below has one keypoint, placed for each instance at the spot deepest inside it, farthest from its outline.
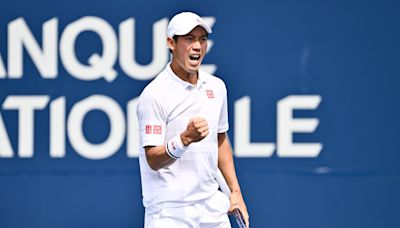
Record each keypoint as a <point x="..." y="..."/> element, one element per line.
<point x="196" y="130"/>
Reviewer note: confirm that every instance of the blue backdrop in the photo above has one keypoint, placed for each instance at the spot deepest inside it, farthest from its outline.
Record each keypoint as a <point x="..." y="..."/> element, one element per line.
<point x="345" y="52"/>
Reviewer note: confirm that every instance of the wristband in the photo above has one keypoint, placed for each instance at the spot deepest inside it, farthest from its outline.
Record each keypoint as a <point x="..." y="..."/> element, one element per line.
<point x="175" y="147"/>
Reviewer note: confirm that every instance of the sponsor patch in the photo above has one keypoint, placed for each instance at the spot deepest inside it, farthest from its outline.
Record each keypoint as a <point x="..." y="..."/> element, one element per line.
<point x="157" y="129"/>
<point x="148" y="129"/>
<point x="210" y="94"/>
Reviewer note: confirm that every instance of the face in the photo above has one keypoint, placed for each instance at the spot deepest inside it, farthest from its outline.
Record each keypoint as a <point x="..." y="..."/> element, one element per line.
<point x="188" y="51"/>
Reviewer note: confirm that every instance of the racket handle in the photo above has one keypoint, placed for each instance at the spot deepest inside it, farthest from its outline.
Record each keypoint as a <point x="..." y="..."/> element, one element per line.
<point x="239" y="218"/>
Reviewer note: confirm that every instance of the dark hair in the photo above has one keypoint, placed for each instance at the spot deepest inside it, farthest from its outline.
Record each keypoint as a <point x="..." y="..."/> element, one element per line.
<point x="175" y="37"/>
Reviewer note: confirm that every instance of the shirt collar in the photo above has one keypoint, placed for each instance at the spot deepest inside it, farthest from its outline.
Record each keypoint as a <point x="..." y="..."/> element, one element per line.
<point x="184" y="84"/>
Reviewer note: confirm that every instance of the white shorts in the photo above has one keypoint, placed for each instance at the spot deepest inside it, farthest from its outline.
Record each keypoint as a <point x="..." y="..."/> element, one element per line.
<point x="209" y="213"/>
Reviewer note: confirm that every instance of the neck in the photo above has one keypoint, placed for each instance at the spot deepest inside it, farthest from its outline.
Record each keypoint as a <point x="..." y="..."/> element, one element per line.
<point x="190" y="77"/>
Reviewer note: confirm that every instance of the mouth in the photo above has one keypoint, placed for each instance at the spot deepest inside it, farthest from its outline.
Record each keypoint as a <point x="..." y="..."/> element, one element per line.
<point x="194" y="57"/>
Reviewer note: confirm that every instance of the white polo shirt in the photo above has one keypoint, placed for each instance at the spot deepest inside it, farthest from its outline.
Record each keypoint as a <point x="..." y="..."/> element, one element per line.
<point x="164" y="109"/>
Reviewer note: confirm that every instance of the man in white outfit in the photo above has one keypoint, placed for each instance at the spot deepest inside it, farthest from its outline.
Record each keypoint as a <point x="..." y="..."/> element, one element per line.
<point x="183" y="119"/>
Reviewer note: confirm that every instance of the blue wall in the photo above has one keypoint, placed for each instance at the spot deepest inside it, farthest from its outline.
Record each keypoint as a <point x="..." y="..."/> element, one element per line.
<point x="346" y="52"/>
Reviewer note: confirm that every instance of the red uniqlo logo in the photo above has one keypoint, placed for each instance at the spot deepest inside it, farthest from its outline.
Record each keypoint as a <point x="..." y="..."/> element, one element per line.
<point x="148" y="129"/>
<point x="210" y="94"/>
<point x="157" y="129"/>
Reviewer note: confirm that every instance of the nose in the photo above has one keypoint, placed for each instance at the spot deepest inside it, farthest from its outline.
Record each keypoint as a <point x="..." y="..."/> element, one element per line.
<point x="196" y="45"/>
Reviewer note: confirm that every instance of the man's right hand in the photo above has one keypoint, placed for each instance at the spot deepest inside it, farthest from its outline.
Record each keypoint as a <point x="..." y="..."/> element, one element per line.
<point x="196" y="130"/>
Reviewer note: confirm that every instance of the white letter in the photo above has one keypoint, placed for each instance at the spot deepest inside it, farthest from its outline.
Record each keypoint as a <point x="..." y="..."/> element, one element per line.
<point x="6" y="150"/>
<point x="127" y="53"/>
<point x="2" y="68"/>
<point x="100" y="66"/>
<point x="243" y="146"/>
<point x="26" y="105"/>
<point x="209" y="68"/>
<point x="133" y="130"/>
<point x="287" y="125"/>
<point x="20" y="36"/>
<point x="57" y="128"/>
<point x="117" y="127"/>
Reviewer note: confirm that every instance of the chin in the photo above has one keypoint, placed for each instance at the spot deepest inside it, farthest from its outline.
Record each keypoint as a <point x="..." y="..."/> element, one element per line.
<point x="192" y="69"/>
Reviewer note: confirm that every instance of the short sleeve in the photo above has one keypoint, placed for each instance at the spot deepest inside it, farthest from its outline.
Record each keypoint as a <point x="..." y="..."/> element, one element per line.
<point x="151" y="121"/>
<point x="223" y="124"/>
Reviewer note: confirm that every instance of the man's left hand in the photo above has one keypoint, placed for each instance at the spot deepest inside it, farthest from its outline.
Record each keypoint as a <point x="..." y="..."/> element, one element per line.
<point x="237" y="201"/>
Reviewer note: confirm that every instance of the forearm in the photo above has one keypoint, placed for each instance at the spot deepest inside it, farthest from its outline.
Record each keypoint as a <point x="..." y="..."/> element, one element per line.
<point x="226" y="164"/>
<point x="164" y="155"/>
<point x="227" y="167"/>
<point x="157" y="157"/>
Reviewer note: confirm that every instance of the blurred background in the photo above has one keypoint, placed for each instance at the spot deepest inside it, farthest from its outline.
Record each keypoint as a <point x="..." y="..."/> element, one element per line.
<point x="70" y="72"/>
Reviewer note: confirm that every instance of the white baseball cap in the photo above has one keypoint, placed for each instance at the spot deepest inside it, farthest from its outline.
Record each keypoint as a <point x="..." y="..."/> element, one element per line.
<point x="183" y="23"/>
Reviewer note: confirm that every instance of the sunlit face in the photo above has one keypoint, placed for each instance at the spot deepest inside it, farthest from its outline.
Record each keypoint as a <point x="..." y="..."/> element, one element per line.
<point x="188" y="51"/>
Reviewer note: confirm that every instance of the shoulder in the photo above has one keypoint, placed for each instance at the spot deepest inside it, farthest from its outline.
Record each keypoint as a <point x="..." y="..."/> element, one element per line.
<point x="217" y="82"/>
<point x="155" y="91"/>
<point x="156" y="87"/>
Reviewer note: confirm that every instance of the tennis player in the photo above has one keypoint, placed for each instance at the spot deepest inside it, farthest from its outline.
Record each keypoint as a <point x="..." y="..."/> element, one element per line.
<point x="183" y="119"/>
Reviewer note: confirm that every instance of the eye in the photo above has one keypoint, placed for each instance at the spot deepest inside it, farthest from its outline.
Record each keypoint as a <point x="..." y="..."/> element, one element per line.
<point x="189" y="38"/>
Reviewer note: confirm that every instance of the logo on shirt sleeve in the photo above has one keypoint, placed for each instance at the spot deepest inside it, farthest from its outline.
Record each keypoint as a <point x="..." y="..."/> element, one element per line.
<point x="153" y="129"/>
<point x="210" y="94"/>
<point x="148" y="129"/>
<point x="157" y="129"/>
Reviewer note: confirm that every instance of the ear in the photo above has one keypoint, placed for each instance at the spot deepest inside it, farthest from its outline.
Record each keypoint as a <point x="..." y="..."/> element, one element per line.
<point x="171" y="43"/>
